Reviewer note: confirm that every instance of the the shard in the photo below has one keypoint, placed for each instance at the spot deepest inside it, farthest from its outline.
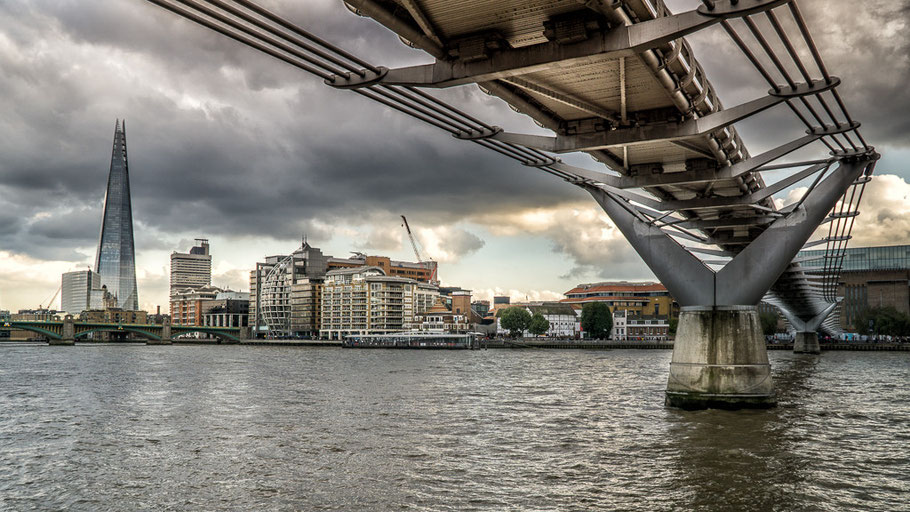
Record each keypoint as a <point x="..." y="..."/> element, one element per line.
<point x="116" y="259"/>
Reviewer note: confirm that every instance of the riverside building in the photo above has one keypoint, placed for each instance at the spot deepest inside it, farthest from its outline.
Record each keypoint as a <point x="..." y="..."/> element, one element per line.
<point x="227" y="309"/>
<point x="365" y="300"/>
<point x="192" y="269"/>
<point x="187" y="305"/>
<point x="286" y="291"/>
<point x="871" y="277"/>
<point x="80" y="291"/>
<point x="419" y="271"/>
<point x="638" y="299"/>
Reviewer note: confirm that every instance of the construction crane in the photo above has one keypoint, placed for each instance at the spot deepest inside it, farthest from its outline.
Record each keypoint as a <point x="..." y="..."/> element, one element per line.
<point x="429" y="263"/>
<point x="53" y="297"/>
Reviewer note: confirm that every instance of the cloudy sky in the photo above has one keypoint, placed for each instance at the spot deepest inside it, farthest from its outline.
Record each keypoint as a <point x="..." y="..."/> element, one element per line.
<point x="231" y="145"/>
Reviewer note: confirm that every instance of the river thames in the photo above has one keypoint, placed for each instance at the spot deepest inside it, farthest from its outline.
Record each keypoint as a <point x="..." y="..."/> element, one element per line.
<point x="130" y="427"/>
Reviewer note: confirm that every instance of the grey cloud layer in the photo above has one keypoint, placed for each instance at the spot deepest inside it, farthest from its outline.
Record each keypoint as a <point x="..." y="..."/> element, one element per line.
<point x="224" y="140"/>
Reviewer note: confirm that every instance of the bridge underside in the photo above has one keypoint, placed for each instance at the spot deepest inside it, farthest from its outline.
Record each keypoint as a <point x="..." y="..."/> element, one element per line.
<point x="618" y="80"/>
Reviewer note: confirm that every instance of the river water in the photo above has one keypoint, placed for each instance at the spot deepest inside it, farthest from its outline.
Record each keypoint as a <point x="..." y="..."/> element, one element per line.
<point x="130" y="427"/>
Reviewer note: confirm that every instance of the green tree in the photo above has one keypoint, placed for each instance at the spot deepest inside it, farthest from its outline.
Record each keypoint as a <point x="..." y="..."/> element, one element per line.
<point x="538" y="325"/>
<point x="882" y="321"/>
<point x="768" y="323"/>
<point x="672" y="325"/>
<point x="516" y="320"/>
<point x="596" y="320"/>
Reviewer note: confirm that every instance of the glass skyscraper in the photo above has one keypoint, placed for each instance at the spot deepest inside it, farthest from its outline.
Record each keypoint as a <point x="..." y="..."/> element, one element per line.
<point x="116" y="259"/>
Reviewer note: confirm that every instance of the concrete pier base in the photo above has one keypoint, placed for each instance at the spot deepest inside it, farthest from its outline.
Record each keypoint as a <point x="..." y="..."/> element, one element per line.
<point x="806" y="343"/>
<point x="720" y="360"/>
<point x="69" y="333"/>
<point x="163" y="341"/>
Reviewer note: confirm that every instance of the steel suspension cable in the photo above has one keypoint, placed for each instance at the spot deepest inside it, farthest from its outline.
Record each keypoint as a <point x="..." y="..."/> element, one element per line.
<point x="737" y="39"/>
<point x="411" y="98"/>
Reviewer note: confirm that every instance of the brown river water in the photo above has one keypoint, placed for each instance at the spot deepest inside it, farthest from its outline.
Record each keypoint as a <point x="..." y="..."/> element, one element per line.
<point x="130" y="427"/>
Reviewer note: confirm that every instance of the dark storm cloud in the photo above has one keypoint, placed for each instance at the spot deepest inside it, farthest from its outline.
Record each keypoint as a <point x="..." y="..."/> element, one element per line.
<point x="866" y="44"/>
<point x="224" y="140"/>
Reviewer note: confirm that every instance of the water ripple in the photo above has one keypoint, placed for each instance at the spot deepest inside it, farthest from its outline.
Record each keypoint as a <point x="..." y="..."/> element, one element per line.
<point x="254" y="428"/>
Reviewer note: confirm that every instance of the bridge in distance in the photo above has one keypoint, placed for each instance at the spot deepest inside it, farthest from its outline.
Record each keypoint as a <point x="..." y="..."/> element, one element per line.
<point x="617" y="79"/>
<point x="68" y="330"/>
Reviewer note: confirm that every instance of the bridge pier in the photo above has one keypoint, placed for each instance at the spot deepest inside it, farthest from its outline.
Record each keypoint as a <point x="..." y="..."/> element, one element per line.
<point x="719" y="357"/>
<point x="720" y="360"/>
<point x="69" y="333"/>
<point x="165" y="336"/>
<point x="806" y="340"/>
<point x="806" y="343"/>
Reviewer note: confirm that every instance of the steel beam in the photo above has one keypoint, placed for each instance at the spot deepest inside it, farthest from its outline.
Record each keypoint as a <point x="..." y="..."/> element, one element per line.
<point x="620" y="41"/>
<point x="379" y="13"/>
<point x="651" y="133"/>
<point x="688" y="279"/>
<point x="564" y="98"/>
<point x="731" y="222"/>
<point x="765" y="192"/>
<point x="746" y="278"/>
<point x="705" y="175"/>
<point x="812" y="324"/>
<point x="596" y="176"/>
<point x="752" y="272"/>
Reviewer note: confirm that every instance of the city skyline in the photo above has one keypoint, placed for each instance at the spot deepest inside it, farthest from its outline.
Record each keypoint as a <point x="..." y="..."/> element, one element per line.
<point x="243" y="154"/>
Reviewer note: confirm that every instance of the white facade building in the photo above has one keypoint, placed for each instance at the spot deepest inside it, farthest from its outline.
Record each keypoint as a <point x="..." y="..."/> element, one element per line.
<point x="80" y="291"/>
<point x="193" y="269"/>
<point x="366" y="301"/>
<point x="565" y="321"/>
<point x="619" y="331"/>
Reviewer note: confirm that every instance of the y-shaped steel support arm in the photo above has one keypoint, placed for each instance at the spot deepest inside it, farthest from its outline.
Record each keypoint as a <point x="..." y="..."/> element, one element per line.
<point x="749" y="275"/>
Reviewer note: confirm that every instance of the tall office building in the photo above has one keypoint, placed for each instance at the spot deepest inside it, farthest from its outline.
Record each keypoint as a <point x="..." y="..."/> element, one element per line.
<point x="116" y="260"/>
<point x="80" y="291"/>
<point x="193" y="269"/>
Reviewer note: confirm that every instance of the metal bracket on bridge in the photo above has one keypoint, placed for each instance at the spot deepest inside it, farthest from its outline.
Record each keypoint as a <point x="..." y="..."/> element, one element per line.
<point x="834" y="130"/>
<point x="803" y="89"/>
<point x="353" y="81"/>
<point x="541" y="163"/>
<point x="738" y="8"/>
<point x="852" y="153"/>
<point x="478" y="134"/>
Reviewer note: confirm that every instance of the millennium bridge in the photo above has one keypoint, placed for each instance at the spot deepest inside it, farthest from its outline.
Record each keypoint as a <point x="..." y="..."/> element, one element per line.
<point x="617" y="79"/>
<point x="67" y="331"/>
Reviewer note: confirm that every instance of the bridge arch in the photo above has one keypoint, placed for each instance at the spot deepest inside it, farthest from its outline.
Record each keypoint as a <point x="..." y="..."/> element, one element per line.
<point x="146" y="334"/>
<point x="33" y="328"/>
<point x="215" y="331"/>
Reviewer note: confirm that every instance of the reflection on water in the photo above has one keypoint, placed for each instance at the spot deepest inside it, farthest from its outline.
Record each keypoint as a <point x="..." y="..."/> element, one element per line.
<point x="269" y="428"/>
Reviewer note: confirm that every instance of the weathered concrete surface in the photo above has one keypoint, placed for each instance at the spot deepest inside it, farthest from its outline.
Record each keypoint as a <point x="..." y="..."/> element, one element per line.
<point x="806" y="343"/>
<point x="720" y="360"/>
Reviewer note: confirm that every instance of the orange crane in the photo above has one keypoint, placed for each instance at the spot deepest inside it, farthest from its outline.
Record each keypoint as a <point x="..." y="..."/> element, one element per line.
<point x="428" y="263"/>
